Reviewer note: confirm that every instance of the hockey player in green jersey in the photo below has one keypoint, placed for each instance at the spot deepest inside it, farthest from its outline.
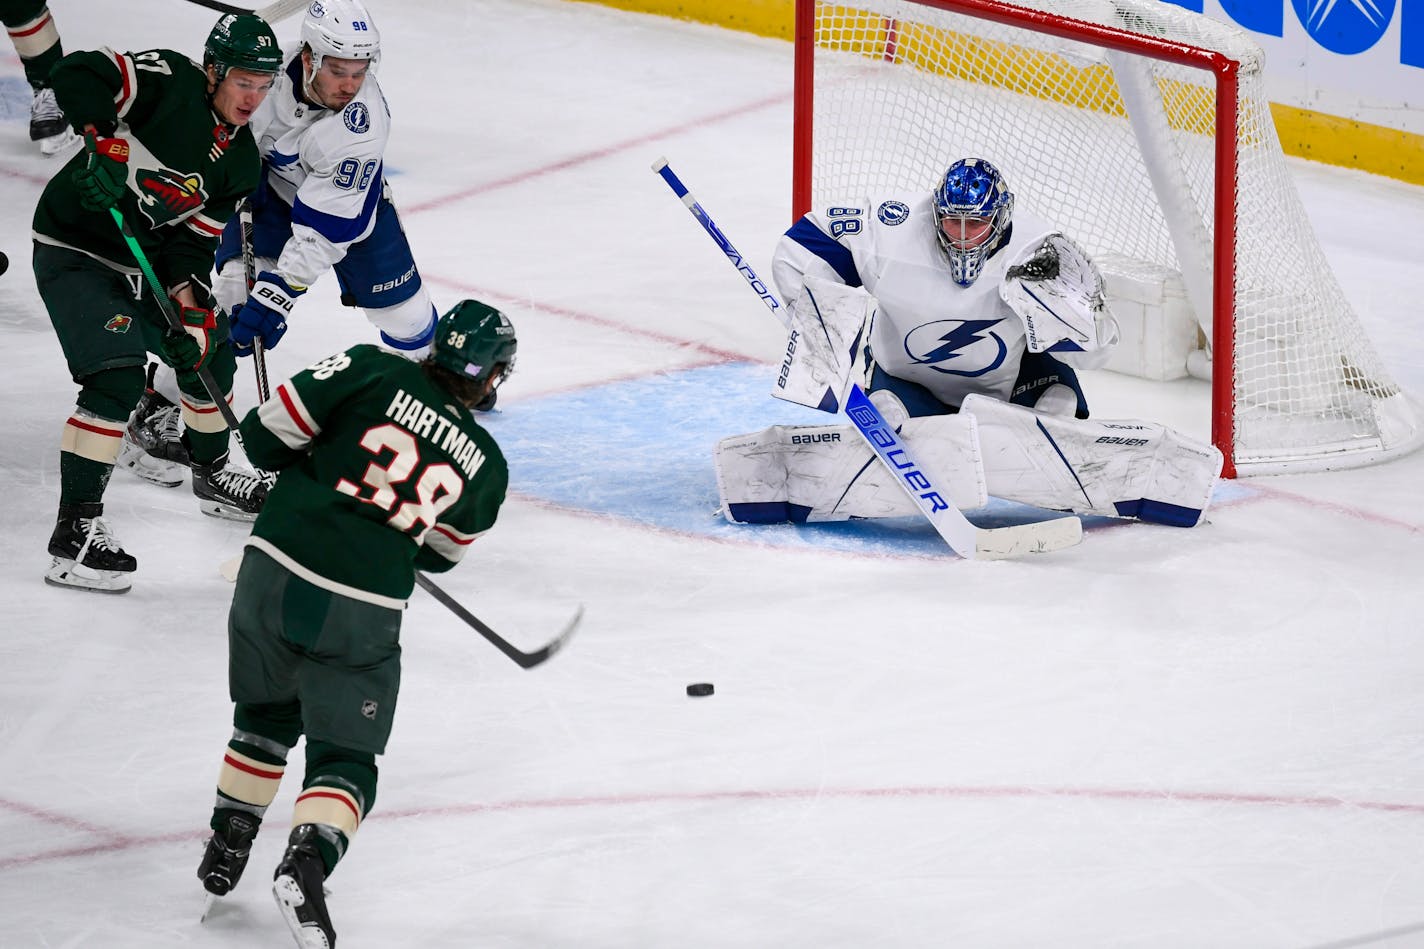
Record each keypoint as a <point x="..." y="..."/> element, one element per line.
<point x="166" y="143"/>
<point x="382" y="470"/>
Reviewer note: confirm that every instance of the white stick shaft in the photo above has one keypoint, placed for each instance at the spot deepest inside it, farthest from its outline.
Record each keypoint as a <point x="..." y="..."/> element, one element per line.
<point x="281" y="9"/>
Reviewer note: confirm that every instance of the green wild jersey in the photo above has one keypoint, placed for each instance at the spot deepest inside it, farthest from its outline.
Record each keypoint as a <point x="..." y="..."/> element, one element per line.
<point x="187" y="169"/>
<point x="381" y="472"/>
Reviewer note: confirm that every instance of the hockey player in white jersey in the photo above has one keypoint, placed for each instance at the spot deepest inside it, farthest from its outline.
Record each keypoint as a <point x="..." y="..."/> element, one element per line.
<point x="964" y="318"/>
<point x="324" y="202"/>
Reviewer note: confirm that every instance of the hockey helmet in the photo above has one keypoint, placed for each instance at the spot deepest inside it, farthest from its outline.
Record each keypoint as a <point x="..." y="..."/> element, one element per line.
<point x="477" y="342"/>
<point x="973" y="209"/>
<point x="342" y="29"/>
<point x="242" y="41"/>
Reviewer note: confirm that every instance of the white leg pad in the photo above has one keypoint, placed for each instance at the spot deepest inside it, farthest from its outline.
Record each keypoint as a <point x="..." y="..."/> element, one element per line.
<point x="828" y="473"/>
<point x="1123" y="468"/>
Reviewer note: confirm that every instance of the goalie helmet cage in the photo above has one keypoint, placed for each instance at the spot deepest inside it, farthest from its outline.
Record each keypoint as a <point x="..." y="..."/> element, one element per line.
<point x="1143" y="130"/>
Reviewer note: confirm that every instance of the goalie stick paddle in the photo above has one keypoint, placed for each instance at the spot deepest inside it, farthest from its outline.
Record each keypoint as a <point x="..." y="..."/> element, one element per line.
<point x="272" y="12"/>
<point x="526" y="660"/>
<point x="965" y="538"/>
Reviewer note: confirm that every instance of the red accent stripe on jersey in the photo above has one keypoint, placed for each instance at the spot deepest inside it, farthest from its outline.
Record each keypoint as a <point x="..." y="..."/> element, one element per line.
<point x="232" y="762"/>
<point x="44" y="22"/>
<point x="110" y="432"/>
<point x="127" y="90"/>
<point x="291" y="407"/>
<point x="462" y="541"/>
<point x="334" y="796"/>
<point x="203" y="227"/>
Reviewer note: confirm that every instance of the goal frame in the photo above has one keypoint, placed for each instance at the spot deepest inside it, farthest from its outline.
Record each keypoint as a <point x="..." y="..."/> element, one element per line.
<point x="1227" y="84"/>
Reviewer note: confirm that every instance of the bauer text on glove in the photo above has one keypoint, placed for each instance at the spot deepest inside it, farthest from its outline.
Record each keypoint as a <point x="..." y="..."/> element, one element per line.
<point x="264" y="315"/>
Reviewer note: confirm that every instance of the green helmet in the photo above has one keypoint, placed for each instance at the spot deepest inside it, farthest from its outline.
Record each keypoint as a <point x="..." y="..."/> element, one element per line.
<point x="476" y="341"/>
<point x="242" y="41"/>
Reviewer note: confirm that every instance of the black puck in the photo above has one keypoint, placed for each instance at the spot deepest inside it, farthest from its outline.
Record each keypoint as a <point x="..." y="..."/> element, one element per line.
<point x="4" y="263"/>
<point x="700" y="689"/>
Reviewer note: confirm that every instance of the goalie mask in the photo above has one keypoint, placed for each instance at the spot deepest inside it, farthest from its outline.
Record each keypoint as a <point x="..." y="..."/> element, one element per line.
<point x="341" y="29"/>
<point x="973" y="209"/>
<point x="477" y="342"/>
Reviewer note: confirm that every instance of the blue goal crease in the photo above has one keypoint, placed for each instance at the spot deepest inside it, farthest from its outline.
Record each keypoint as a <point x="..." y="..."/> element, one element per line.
<point x="641" y="450"/>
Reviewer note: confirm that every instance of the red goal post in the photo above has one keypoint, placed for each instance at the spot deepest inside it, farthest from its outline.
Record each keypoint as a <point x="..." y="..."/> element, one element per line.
<point x="1142" y="129"/>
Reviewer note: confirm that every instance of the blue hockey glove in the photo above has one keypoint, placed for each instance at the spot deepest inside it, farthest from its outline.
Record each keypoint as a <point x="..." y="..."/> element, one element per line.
<point x="264" y="315"/>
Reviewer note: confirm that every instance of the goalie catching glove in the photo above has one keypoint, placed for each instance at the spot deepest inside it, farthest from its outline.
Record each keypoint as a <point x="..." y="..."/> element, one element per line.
<point x="264" y="315"/>
<point x="1058" y="293"/>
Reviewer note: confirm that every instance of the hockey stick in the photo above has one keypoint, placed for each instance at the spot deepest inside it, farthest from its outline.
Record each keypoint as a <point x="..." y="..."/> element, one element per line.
<point x="175" y="324"/>
<point x="525" y="659"/>
<point x="259" y="358"/>
<point x="272" y="12"/>
<point x="966" y="539"/>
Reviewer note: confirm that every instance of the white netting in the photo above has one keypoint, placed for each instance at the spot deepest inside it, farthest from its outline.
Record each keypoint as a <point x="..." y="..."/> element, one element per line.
<point x="1119" y="150"/>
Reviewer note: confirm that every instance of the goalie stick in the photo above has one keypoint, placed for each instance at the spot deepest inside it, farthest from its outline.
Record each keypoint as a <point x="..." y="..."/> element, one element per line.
<point x="965" y="538"/>
<point x="526" y="660"/>
<point x="272" y="12"/>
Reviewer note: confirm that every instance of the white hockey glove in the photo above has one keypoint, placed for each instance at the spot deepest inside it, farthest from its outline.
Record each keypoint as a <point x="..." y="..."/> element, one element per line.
<point x="1058" y="293"/>
<point x="829" y="327"/>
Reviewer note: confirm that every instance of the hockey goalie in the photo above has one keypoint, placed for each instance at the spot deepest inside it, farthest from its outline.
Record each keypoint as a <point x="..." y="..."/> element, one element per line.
<point x="964" y="322"/>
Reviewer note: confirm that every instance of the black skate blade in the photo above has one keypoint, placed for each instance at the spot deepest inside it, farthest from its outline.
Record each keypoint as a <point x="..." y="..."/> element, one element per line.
<point x="208" y="904"/>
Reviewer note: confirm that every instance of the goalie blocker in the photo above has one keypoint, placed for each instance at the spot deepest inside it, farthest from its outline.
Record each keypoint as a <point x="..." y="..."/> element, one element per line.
<point x="991" y="448"/>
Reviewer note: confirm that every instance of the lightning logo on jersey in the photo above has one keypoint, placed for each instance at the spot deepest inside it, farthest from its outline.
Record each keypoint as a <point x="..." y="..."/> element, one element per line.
<point x="968" y="342"/>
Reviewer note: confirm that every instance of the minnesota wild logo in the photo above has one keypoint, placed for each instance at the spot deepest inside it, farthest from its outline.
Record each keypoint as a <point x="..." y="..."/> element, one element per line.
<point x="166" y="196"/>
<point x="118" y="323"/>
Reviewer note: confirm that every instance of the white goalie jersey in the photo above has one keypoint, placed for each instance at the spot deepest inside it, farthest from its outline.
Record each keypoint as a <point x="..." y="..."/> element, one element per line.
<point x="326" y="165"/>
<point x="955" y="341"/>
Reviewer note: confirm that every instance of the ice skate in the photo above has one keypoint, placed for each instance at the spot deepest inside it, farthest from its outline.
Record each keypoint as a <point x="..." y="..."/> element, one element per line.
<point x="228" y="492"/>
<point x="297" y="887"/>
<point x="47" y="124"/>
<point x="157" y="427"/>
<point x="133" y="458"/>
<point x="86" y="554"/>
<point x="153" y="445"/>
<point x="225" y="856"/>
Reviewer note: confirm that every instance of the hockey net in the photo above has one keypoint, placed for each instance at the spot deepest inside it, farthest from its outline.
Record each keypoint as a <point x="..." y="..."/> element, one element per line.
<point x="1143" y="131"/>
